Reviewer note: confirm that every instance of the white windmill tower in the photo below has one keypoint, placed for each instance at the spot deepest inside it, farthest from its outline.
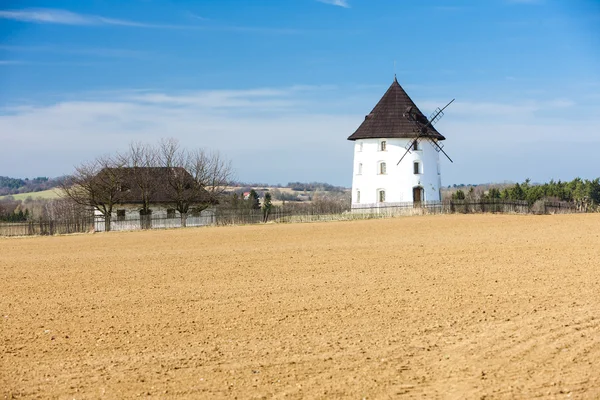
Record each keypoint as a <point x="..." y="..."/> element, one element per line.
<point x="396" y="154"/>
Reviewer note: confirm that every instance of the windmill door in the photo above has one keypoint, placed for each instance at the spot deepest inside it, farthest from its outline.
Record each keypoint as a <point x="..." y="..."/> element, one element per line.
<point x="417" y="196"/>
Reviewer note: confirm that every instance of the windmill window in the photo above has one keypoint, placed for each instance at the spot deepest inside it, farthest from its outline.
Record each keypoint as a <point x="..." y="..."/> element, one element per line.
<point x="120" y="215"/>
<point x="170" y="213"/>
<point x="416" y="146"/>
<point x="416" y="168"/>
<point x="382" y="168"/>
<point x="383" y="145"/>
<point x="359" y="169"/>
<point x="381" y="196"/>
<point x="358" y="196"/>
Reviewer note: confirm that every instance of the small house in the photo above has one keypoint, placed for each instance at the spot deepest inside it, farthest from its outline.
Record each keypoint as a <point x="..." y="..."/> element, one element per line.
<point x="156" y="197"/>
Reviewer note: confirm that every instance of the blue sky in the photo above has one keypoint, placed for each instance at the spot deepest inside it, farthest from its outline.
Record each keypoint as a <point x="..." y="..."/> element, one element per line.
<point x="278" y="85"/>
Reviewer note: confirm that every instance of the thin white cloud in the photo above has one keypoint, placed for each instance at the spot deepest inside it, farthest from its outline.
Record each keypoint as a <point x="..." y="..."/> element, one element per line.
<point x="263" y="99"/>
<point x="50" y="63"/>
<point x="448" y="8"/>
<point x="339" y="3"/>
<point x="524" y="109"/>
<point x="259" y="99"/>
<point x="196" y="16"/>
<point x="97" y="52"/>
<point x="64" y="17"/>
<point x="526" y="1"/>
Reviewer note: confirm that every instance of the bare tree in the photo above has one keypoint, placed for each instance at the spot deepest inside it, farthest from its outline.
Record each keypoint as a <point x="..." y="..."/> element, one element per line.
<point x="140" y="161"/>
<point x="96" y="185"/>
<point x="211" y="170"/>
<point x="170" y="153"/>
<point x="179" y="184"/>
<point x="9" y="205"/>
<point x="195" y="179"/>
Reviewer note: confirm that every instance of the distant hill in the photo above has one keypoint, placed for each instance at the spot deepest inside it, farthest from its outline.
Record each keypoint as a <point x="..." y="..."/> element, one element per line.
<point x="297" y="186"/>
<point x="13" y="186"/>
<point x="42" y="195"/>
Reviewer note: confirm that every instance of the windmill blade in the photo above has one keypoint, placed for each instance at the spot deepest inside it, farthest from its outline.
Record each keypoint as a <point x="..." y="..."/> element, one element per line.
<point x="410" y="145"/>
<point x="437" y="115"/>
<point x="402" y="158"/>
<point x="447" y="156"/>
<point x="439" y="148"/>
<point x="422" y="124"/>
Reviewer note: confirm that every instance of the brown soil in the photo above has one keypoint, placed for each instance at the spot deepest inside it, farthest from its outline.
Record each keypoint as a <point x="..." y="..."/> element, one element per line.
<point x="473" y="306"/>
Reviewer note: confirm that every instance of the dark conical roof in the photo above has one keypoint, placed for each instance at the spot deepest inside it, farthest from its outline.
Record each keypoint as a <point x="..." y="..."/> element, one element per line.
<point x="387" y="119"/>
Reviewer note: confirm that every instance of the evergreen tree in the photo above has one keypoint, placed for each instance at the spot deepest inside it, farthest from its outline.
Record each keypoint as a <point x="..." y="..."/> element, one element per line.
<point x="471" y="194"/>
<point x="594" y="191"/>
<point x="267" y="206"/>
<point x="458" y="195"/>
<point x="516" y="192"/>
<point x="253" y="199"/>
<point x="493" y="193"/>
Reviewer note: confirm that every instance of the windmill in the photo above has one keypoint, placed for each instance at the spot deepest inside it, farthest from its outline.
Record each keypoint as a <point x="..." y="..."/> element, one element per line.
<point x="422" y="125"/>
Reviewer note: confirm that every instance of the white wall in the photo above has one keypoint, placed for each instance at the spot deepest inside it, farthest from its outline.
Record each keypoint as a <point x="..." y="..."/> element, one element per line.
<point x="132" y="211"/>
<point x="399" y="180"/>
<point x="159" y="218"/>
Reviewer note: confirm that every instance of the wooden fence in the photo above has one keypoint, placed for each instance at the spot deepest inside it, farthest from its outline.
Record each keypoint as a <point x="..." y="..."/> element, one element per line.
<point x="445" y="207"/>
<point x="47" y="227"/>
<point x="152" y="222"/>
<point x="307" y="213"/>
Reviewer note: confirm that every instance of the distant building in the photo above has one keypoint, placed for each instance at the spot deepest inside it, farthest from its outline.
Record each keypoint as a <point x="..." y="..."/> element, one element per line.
<point x="156" y="184"/>
<point x="379" y="143"/>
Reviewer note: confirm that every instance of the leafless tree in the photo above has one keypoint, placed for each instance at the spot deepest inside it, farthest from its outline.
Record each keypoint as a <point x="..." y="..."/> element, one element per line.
<point x="211" y="170"/>
<point x="170" y="153"/>
<point x="196" y="179"/>
<point x="96" y="184"/>
<point x="9" y="205"/>
<point x="63" y="209"/>
<point x="139" y="160"/>
<point x="179" y="185"/>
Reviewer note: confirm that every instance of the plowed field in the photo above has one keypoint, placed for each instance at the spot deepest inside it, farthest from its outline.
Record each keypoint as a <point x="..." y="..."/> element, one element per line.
<point x="460" y="306"/>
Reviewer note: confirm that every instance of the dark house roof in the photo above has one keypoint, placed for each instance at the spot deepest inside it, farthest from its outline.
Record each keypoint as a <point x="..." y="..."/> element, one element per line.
<point x="157" y="182"/>
<point x="387" y="119"/>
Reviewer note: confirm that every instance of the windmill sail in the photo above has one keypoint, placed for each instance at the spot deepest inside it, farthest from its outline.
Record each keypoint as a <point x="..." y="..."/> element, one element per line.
<point x="422" y="126"/>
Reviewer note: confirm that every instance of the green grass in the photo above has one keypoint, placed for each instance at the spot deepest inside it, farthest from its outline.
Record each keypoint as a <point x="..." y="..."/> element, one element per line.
<point x="45" y="194"/>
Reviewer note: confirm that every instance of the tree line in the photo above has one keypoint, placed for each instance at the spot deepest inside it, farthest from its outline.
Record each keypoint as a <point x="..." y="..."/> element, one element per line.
<point x="10" y="186"/>
<point x="238" y="203"/>
<point x="13" y="216"/>
<point x="12" y="210"/>
<point x="296" y="186"/>
<point x="585" y="192"/>
<point x="315" y="186"/>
